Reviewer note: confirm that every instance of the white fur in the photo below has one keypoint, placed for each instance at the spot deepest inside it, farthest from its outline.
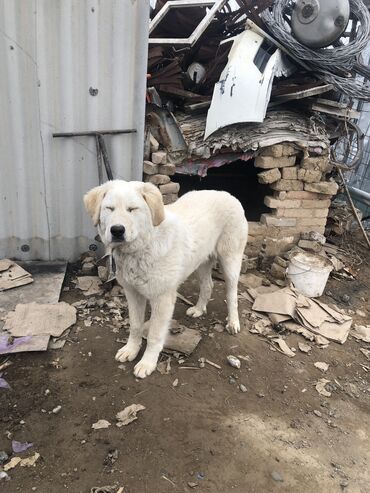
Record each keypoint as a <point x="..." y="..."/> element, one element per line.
<point x="153" y="261"/>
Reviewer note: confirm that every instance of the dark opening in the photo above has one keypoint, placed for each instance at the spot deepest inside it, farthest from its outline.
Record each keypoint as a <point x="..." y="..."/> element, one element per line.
<point x="238" y="178"/>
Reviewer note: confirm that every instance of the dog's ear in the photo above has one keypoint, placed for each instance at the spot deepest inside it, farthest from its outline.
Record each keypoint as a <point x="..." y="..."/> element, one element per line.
<point x="153" y="198"/>
<point x="93" y="200"/>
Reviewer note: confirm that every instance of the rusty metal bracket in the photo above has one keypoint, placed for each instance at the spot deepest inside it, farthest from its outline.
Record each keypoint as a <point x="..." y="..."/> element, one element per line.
<point x="101" y="148"/>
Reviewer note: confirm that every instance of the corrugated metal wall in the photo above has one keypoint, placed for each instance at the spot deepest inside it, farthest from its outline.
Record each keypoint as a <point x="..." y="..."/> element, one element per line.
<point x="51" y="53"/>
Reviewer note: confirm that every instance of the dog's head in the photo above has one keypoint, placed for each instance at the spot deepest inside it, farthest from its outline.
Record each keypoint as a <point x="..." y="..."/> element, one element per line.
<point x="125" y="212"/>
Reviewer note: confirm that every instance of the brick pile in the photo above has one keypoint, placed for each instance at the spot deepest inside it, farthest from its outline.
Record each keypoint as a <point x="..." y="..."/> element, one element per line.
<point x="158" y="171"/>
<point x="300" y="200"/>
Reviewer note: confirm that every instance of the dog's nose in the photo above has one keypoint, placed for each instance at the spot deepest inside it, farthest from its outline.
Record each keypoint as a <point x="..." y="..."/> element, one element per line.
<point x="117" y="231"/>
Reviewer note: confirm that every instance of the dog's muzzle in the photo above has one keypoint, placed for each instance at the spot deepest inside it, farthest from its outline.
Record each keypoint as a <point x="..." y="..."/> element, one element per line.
<point x="117" y="232"/>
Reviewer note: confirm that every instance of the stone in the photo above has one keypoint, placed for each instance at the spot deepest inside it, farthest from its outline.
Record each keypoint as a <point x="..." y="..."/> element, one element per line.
<point x="267" y="162"/>
<point x="158" y="179"/>
<point x="300" y="195"/>
<point x="255" y="241"/>
<point x="326" y="187"/>
<point x="154" y="144"/>
<point x="256" y="228"/>
<point x="320" y="163"/>
<point x="293" y="213"/>
<point x="150" y="168"/>
<point x="278" y="271"/>
<point x="170" y="198"/>
<point x="314" y="236"/>
<point x="270" y="220"/>
<point x="167" y="169"/>
<point x="287" y="185"/>
<point x="88" y="268"/>
<point x="159" y="157"/>
<point x="309" y="175"/>
<point x="315" y="204"/>
<point x="269" y="176"/>
<point x="170" y="187"/>
<point x="311" y="246"/>
<point x="274" y="151"/>
<point x="277" y="246"/>
<point x="290" y="173"/>
<point x="289" y="150"/>
<point x="276" y="204"/>
<point x="250" y="280"/>
<point x="248" y="263"/>
<point x="311" y="221"/>
<point x="103" y="273"/>
<point x="277" y="476"/>
<point x="280" y="261"/>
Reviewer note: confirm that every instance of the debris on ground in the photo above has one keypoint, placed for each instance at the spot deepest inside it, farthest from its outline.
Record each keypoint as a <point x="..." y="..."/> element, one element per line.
<point x="89" y="285"/>
<point x="234" y="361"/>
<point x="184" y="342"/>
<point x="101" y="424"/>
<point x="304" y="348"/>
<point x="30" y="326"/>
<point x="4" y="476"/>
<point x="320" y="365"/>
<point x="19" y="447"/>
<point x="3" y="383"/>
<point x="311" y="315"/>
<point x="281" y="346"/>
<point x="320" y="387"/>
<point x="361" y="332"/>
<point x="129" y="414"/>
<point x="164" y="367"/>
<point x="26" y="462"/>
<point x="13" y="275"/>
<point x="107" y="489"/>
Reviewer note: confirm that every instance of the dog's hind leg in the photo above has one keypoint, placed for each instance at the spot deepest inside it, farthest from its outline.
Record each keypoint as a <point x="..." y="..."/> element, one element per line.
<point x="159" y="324"/>
<point x="204" y="275"/>
<point x="231" y="265"/>
<point x="136" y="310"/>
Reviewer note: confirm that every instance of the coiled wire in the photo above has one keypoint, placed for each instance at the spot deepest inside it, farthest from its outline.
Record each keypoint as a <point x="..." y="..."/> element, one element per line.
<point x="331" y="64"/>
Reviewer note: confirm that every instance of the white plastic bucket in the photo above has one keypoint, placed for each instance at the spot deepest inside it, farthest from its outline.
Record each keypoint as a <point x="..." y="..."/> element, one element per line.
<point x="309" y="273"/>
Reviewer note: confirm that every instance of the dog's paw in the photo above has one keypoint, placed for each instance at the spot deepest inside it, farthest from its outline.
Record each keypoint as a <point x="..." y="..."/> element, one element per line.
<point x="144" y="368"/>
<point x="233" y="327"/>
<point x="195" y="312"/>
<point x="127" y="352"/>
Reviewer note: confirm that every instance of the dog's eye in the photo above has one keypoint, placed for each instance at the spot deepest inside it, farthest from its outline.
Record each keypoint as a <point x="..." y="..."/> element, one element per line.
<point x="110" y="208"/>
<point x="131" y="209"/>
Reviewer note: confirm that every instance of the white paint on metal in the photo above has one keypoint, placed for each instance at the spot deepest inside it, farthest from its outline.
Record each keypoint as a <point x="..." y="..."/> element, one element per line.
<point x="51" y="54"/>
<point x="243" y="91"/>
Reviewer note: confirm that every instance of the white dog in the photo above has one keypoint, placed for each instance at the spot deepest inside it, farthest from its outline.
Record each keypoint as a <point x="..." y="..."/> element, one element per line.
<point x="156" y="248"/>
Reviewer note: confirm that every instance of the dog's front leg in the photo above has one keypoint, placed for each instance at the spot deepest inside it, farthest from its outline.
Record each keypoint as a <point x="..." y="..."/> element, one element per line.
<point x="159" y="324"/>
<point x="136" y="311"/>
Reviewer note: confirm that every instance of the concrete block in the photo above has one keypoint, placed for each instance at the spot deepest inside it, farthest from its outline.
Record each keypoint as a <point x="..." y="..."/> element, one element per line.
<point x="290" y="173"/>
<point x="169" y="198"/>
<point x="289" y="150"/>
<point x="300" y="195"/>
<point x="282" y="262"/>
<point x="256" y="228"/>
<point x="159" y="157"/>
<point x="277" y="271"/>
<point x="275" y="246"/>
<point x="312" y="246"/>
<point x="297" y="212"/>
<point x="269" y="176"/>
<point x="150" y="168"/>
<point x="273" y="151"/>
<point x="158" y="179"/>
<point x="267" y="162"/>
<point x="311" y="221"/>
<point x="326" y="187"/>
<point x="309" y="175"/>
<point x="287" y="185"/>
<point x="275" y="204"/>
<point x="315" y="204"/>
<point x="270" y="220"/>
<point x="320" y="163"/>
<point x="167" y="169"/>
<point x="170" y="187"/>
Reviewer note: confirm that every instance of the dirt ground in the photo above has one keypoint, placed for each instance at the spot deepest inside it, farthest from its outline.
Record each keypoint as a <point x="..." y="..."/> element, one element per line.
<point x="205" y="434"/>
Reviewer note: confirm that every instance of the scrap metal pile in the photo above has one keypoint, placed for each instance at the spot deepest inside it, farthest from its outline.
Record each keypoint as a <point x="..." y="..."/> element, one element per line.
<point x="226" y="63"/>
